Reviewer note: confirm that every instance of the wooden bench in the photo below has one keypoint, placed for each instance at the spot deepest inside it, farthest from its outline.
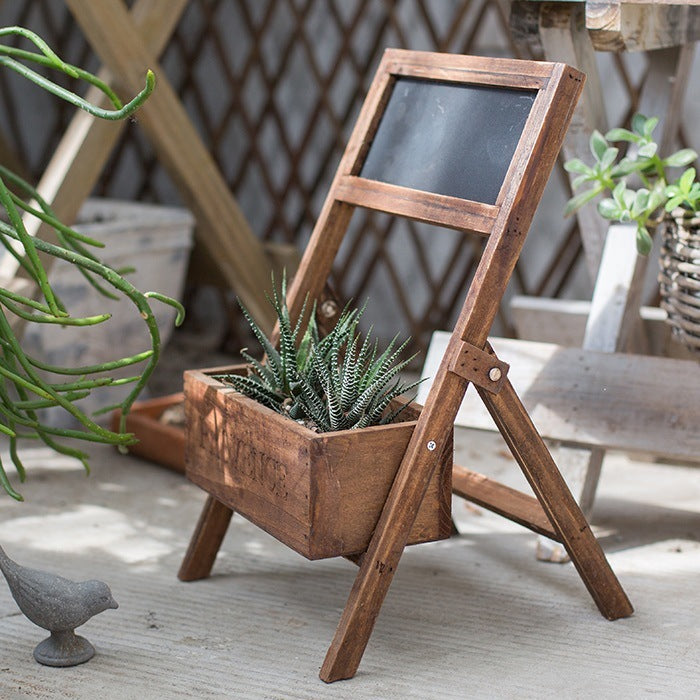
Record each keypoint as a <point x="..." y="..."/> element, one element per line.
<point x="618" y="401"/>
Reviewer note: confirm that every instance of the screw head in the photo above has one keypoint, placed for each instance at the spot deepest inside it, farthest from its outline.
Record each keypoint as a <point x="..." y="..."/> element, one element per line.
<point x="329" y="309"/>
<point x="495" y="374"/>
<point x="431" y="445"/>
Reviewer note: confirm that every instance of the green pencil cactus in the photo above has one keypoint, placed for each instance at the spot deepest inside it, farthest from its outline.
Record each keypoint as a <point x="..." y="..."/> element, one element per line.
<point x="338" y="382"/>
<point x="24" y="387"/>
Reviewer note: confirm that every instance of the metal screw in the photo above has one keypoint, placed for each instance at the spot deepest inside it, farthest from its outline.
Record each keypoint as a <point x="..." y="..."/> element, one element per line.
<point x="494" y="374"/>
<point x="432" y="445"/>
<point x="329" y="308"/>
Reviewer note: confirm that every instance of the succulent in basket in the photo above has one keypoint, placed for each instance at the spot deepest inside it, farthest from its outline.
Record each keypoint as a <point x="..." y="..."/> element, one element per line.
<point x="639" y="185"/>
<point x="337" y="382"/>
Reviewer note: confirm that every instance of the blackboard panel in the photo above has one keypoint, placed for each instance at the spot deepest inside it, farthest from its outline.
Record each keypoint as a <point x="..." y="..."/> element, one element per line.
<point x="448" y="138"/>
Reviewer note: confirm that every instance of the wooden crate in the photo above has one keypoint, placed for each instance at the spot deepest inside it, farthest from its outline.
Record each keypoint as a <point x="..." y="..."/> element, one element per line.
<point x="319" y="493"/>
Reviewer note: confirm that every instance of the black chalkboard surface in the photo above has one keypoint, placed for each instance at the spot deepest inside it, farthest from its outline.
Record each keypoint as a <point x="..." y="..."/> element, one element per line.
<point x="448" y="138"/>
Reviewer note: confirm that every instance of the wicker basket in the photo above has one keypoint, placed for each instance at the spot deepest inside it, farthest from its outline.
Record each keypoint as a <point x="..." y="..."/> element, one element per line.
<point x="679" y="277"/>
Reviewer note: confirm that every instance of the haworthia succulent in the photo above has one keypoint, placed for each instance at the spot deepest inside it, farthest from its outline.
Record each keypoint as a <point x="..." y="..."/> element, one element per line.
<point x="336" y="382"/>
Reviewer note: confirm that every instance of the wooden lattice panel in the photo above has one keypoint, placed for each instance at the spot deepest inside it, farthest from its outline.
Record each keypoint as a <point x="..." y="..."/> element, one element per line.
<point x="273" y="87"/>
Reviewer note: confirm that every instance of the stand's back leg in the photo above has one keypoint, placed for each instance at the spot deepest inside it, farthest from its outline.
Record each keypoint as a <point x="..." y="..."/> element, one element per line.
<point x="551" y="490"/>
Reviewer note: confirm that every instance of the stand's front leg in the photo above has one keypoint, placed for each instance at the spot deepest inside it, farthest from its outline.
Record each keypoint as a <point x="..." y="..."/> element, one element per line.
<point x="206" y="541"/>
<point x="379" y="563"/>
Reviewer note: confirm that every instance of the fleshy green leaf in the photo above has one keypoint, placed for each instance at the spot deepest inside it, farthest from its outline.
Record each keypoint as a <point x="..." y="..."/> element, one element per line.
<point x="638" y="123"/>
<point x="608" y="157"/>
<point x="598" y="144"/>
<point x="576" y="165"/>
<point x="575" y="203"/>
<point x="649" y="126"/>
<point x="625" y="167"/>
<point x="641" y="201"/>
<point x="609" y="209"/>
<point x="648" y="150"/>
<point x="619" y="134"/>
<point x="685" y="182"/>
<point x="681" y="158"/>
<point x="644" y="242"/>
<point x="674" y="202"/>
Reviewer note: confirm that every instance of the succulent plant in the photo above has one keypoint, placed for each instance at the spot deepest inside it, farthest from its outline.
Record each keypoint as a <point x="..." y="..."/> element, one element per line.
<point x="644" y="200"/>
<point x="338" y="382"/>
<point x="27" y="385"/>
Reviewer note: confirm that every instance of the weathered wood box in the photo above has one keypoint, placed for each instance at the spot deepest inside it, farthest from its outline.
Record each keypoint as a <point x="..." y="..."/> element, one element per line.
<point x="319" y="493"/>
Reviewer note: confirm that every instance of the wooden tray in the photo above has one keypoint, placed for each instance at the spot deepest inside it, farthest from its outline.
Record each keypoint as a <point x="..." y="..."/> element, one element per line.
<point x="159" y="442"/>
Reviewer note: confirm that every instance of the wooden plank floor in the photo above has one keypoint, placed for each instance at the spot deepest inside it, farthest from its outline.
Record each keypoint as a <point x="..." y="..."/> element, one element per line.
<point x="475" y="616"/>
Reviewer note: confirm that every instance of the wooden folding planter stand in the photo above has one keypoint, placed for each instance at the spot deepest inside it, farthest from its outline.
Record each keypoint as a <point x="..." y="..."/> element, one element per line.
<point x="461" y="142"/>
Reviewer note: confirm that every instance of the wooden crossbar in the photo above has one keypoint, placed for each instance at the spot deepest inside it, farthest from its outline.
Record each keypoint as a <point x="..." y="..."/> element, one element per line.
<point x="450" y="212"/>
<point x="498" y="498"/>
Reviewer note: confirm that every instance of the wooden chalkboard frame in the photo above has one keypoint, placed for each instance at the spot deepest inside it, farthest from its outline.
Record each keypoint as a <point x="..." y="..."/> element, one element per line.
<point x="468" y="358"/>
<point x="451" y="212"/>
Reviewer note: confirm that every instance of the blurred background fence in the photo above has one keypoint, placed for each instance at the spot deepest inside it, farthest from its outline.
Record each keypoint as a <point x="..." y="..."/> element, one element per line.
<point x="273" y="87"/>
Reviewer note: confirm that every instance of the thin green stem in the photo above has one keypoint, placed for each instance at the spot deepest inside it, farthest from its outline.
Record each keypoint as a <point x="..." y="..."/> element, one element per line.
<point x="45" y="49"/>
<point x="77" y="72"/>
<point x="24" y="392"/>
<point x="64" y="94"/>
<point x="28" y="243"/>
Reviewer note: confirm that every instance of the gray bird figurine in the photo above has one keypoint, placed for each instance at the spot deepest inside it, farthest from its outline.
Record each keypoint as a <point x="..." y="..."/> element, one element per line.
<point x="57" y="605"/>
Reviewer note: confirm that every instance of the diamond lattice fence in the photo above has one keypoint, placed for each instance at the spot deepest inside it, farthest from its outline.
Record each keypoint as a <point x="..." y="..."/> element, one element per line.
<point x="273" y="87"/>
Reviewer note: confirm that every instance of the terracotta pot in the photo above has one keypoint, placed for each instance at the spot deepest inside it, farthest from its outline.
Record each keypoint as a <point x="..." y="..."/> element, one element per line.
<point x="319" y="493"/>
<point x="159" y="442"/>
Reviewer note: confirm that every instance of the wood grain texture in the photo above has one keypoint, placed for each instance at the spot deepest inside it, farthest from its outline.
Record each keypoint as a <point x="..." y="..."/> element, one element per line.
<point x="480" y="367"/>
<point x="634" y="403"/>
<point x="613" y="324"/>
<point x="614" y="314"/>
<point x="563" y="322"/>
<point x="441" y="210"/>
<point x="466" y="69"/>
<point x="321" y="494"/>
<point x="510" y="503"/>
<point x="431" y="436"/>
<point x="205" y="541"/>
<point x="524" y="184"/>
<point x="562" y="510"/>
<point x="563" y="36"/>
<point x="641" y="26"/>
<point x="222" y="226"/>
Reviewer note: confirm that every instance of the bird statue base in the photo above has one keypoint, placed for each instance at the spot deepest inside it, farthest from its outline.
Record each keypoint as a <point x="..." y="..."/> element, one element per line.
<point x="64" y="649"/>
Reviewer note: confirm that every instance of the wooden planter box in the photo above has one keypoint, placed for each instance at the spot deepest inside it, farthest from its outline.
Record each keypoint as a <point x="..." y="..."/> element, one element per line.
<point x="319" y="493"/>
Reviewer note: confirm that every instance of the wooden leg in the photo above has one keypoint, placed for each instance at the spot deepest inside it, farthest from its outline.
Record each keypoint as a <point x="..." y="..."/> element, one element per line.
<point x="581" y="469"/>
<point x="377" y="568"/>
<point x="206" y="540"/>
<point x="360" y="614"/>
<point x="551" y="490"/>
